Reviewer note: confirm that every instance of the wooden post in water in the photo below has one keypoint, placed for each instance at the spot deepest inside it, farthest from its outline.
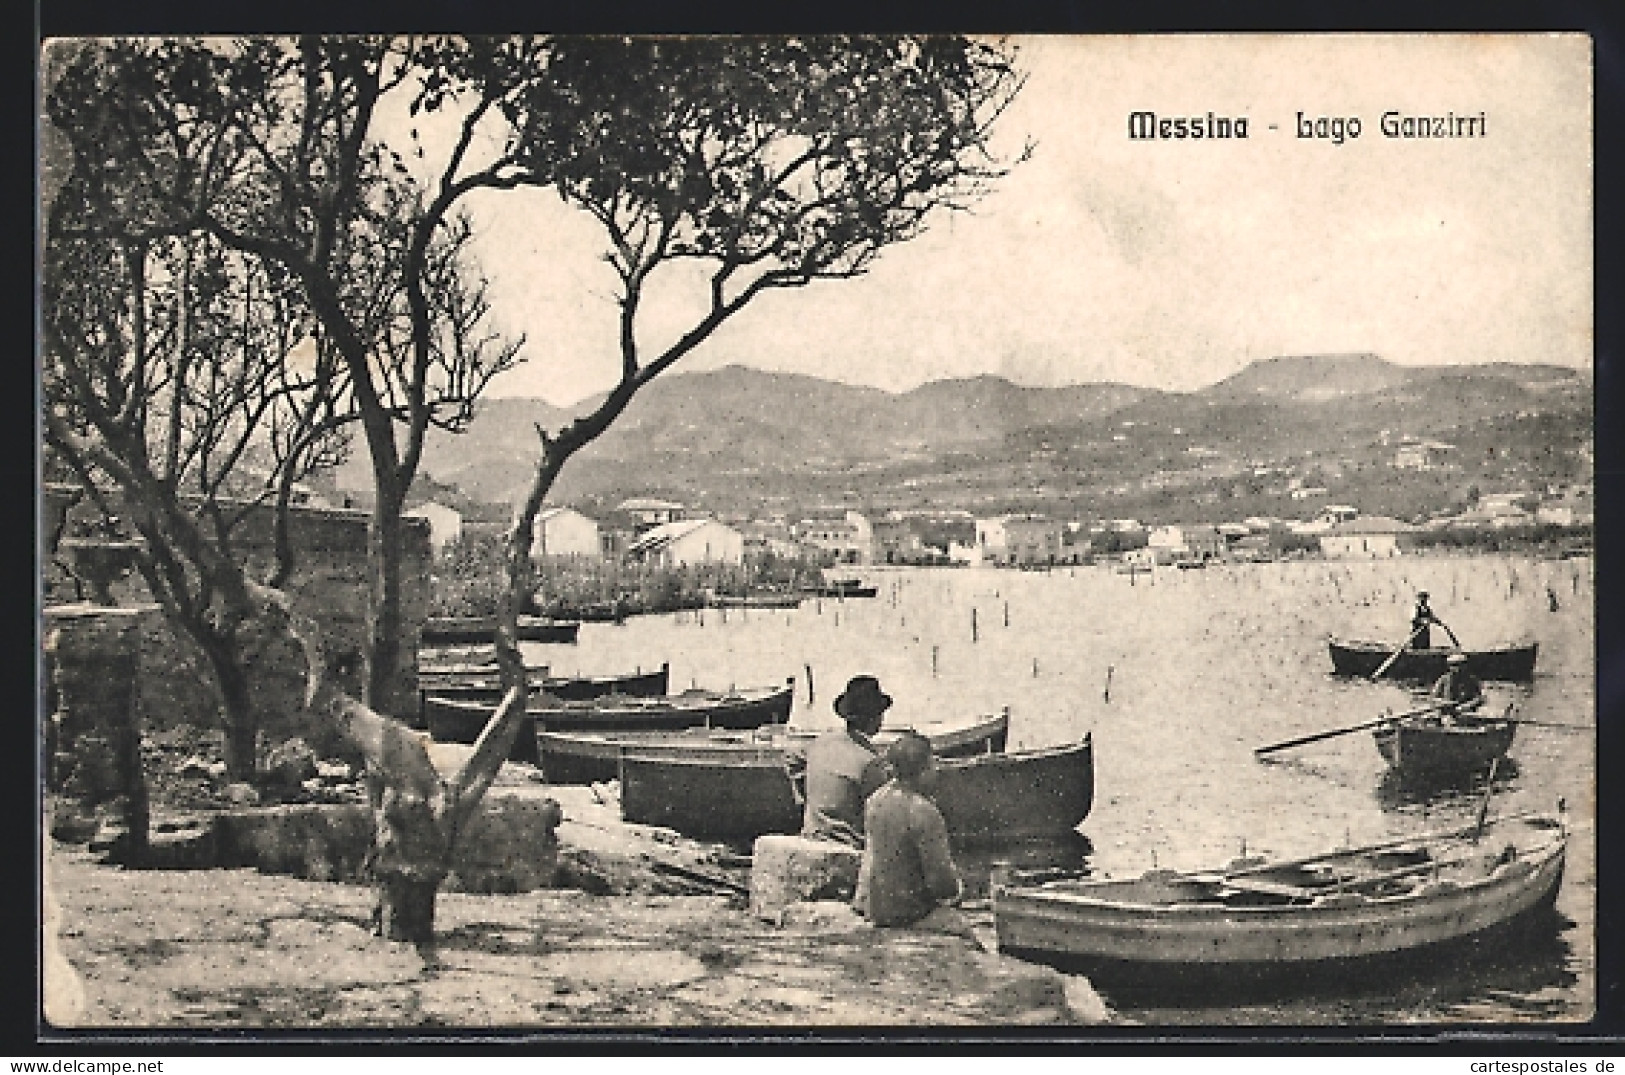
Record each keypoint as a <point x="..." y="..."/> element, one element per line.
<point x="1107" y="695"/>
<point x="973" y="624"/>
<point x="1007" y="614"/>
<point x="808" y="667"/>
<point x="1035" y="667"/>
<point x="933" y="662"/>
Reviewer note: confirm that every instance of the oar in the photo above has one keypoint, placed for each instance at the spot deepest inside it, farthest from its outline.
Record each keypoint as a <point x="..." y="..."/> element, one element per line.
<point x="1453" y="639"/>
<point x="1548" y="724"/>
<point x="1394" y="656"/>
<point x="1349" y="852"/>
<point x="1317" y="736"/>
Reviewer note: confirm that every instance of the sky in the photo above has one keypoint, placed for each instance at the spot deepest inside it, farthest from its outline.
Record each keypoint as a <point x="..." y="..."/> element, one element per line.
<point x="1163" y="263"/>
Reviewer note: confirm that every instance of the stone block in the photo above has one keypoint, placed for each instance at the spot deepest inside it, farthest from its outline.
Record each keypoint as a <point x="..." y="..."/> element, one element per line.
<point x="512" y="845"/>
<point x="290" y="764"/>
<point x="322" y="843"/>
<point x="185" y="845"/>
<point x="792" y="869"/>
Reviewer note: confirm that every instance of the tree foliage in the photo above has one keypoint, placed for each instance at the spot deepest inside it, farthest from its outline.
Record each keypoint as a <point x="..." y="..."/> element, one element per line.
<point x="768" y="163"/>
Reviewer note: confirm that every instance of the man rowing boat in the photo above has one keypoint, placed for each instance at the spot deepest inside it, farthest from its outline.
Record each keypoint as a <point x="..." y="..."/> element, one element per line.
<point x="1458" y="687"/>
<point x="1421" y="622"/>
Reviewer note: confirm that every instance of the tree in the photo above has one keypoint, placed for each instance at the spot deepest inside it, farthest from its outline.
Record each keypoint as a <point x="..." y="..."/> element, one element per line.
<point x="768" y="164"/>
<point x="177" y="148"/>
<point x="771" y="164"/>
<point x="268" y="147"/>
<point x="167" y="377"/>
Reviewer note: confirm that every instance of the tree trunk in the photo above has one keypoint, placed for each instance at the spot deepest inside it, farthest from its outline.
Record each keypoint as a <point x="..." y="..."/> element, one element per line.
<point x="384" y="607"/>
<point x="406" y="908"/>
<point x="237" y="706"/>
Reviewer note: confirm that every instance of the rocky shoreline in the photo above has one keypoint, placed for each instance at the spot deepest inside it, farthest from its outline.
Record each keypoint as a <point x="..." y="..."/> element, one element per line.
<point x="637" y="929"/>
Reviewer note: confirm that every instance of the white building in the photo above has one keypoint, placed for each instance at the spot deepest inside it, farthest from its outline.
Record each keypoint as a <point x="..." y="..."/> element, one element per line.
<point x="691" y="541"/>
<point x="1019" y="539"/>
<point x="646" y="511"/>
<point x="850" y="537"/>
<point x="445" y="524"/>
<point x="1428" y="455"/>
<point x="1371" y="538"/>
<point x="1169" y="538"/>
<point x="565" y="532"/>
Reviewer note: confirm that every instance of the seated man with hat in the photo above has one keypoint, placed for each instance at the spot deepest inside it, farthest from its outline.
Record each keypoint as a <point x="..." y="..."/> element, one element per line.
<point x="841" y="769"/>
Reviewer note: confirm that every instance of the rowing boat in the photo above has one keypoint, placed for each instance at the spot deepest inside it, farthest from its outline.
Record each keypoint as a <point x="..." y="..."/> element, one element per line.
<point x="458" y="630"/>
<point x="766" y="599"/>
<point x="740" y="796"/>
<point x="842" y="588"/>
<point x="1511" y="662"/>
<point x="587" y="757"/>
<point x="483" y="683"/>
<point x="1327" y="914"/>
<point x="1442" y="747"/>
<point x="453" y="721"/>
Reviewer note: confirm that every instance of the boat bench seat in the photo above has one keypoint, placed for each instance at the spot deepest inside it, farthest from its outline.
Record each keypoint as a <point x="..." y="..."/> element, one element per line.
<point x="1269" y="888"/>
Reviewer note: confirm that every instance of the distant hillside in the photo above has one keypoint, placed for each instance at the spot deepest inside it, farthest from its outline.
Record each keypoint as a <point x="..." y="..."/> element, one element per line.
<point x="1311" y="378"/>
<point x="743" y="439"/>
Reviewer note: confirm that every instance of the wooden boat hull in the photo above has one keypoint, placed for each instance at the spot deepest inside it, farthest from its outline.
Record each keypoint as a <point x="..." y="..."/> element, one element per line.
<point x="1433" y="751"/>
<point x="467" y="630"/>
<point x="765" y="600"/>
<point x="1027" y="794"/>
<point x="842" y="591"/>
<point x="453" y="721"/>
<point x="1511" y="663"/>
<point x="583" y="758"/>
<point x="1130" y="931"/>
<point x="485" y="685"/>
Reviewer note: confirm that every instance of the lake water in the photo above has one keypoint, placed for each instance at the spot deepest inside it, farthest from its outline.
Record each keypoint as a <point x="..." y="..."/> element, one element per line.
<point x="1179" y="676"/>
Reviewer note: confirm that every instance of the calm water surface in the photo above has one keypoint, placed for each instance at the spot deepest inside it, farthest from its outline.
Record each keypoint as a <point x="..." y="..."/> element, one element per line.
<point x="1179" y="676"/>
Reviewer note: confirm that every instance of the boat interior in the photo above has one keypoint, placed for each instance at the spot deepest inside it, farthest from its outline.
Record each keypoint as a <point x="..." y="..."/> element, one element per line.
<point x="1347" y="879"/>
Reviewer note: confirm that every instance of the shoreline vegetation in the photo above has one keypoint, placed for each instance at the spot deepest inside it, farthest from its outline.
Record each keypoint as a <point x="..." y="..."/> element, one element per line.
<point x="467" y="581"/>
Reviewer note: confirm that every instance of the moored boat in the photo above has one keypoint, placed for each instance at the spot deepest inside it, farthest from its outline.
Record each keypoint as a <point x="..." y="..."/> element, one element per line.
<point x="587" y="757"/>
<point x="841" y="588"/>
<point x="737" y="796"/>
<point x="483" y="683"/>
<point x="453" y="721"/>
<point x="1325" y="914"/>
<point x="465" y="630"/>
<point x="1437" y="747"/>
<point x="1514" y="662"/>
<point x="755" y="600"/>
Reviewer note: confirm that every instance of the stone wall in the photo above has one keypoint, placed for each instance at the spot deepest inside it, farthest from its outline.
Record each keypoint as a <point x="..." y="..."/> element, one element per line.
<point x="329" y="585"/>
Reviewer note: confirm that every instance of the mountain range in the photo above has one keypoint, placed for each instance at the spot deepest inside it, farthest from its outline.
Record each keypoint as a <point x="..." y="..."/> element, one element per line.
<point x="739" y="436"/>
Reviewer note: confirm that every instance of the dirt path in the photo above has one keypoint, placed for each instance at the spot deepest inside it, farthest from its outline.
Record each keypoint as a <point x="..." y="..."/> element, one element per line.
<point x="224" y="949"/>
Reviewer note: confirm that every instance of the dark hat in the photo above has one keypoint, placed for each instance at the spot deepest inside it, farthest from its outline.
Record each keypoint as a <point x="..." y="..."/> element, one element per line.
<point x="1421" y="595"/>
<point x="862" y="698"/>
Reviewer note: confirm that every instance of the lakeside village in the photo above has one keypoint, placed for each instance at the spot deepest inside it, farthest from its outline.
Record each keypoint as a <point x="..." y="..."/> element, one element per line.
<point x="651" y="555"/>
